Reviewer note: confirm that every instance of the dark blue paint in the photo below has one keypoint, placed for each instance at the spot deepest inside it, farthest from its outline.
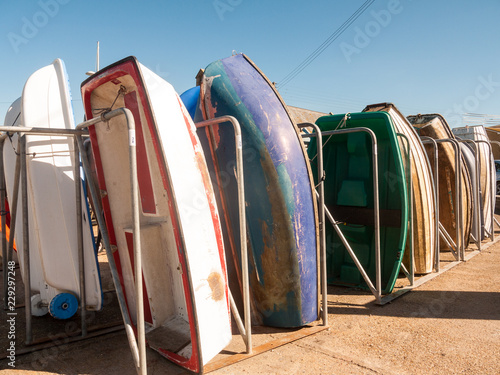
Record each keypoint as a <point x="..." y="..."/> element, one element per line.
<point x="273" y="160"/>
<point x="190" y="99"/>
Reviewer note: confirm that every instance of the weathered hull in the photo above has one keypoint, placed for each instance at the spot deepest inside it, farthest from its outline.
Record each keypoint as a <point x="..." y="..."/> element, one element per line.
<point x="424" y="220"/>
<point x="280" y="205"/>
<point x="349" y="195"/>
<point x="436" y="127"/>
<point x="53" y="234"/>
<point x="487" y="173"/>
<point x="185" y="282"/>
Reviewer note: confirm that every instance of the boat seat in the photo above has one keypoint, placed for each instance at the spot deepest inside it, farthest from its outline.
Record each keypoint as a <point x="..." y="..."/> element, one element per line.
<point x="352" y="193"/>
<point x="359" y="157"/>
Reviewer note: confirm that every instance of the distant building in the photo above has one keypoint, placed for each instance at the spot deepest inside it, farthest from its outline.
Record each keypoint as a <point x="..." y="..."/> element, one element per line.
<point x="494" y="136"/>
<point x="300" y="115"/>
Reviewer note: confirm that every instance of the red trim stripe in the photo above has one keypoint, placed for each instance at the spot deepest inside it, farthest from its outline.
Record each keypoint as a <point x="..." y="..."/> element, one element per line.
<point x="143" y="173"/>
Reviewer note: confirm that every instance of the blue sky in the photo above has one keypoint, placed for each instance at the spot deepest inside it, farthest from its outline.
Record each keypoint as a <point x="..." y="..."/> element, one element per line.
<point x="424" y="56"/>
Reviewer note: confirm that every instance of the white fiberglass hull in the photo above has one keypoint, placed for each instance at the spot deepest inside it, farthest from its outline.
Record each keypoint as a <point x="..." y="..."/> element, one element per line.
<point x="186" y="305"/>
<point x="54" y="258"/>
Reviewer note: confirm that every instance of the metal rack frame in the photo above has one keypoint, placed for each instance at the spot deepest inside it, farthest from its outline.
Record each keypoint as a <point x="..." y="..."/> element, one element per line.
<point x="375" y="289"/>
<point x="456" y="246"/>
<point x="488" y="233"/>
<point x="138" y="346"/>
<point x="491" y="230"/>
<point x="245" y="328"/>
<point x="20" y="178"/>
<point x="439" y="229"/>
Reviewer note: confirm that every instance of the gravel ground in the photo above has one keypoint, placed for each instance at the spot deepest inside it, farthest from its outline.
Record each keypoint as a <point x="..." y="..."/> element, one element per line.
<point x="449" y="325"/>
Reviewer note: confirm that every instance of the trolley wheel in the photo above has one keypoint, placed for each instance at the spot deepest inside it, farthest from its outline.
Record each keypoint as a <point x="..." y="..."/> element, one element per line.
<point x="63" y="306"/>
<point x="38" y="308"/>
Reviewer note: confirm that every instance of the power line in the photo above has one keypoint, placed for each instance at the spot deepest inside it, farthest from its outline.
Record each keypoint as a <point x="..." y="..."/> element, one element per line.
<point x="318" y="51"/>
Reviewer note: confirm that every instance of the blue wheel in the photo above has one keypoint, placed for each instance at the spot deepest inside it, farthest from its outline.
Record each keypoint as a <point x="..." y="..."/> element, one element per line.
<point x="63" y="306"/>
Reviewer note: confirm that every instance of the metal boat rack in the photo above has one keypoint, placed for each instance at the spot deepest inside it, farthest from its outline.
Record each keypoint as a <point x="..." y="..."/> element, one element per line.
<point x="20" y="183"/>
<point x="457" y="251"/>
<point x="376" y="289"/>
<point x="138" y="347"/>
<point x="489" y="232"/>
<point x="20" y="178"/>
<point x="137" y="344"/>
<point x="456" y="245"/>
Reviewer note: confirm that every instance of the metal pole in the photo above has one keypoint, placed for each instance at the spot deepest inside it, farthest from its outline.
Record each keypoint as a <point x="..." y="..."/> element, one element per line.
<point x="493" y="196"/>
<point x="458" y="192"/>
<point x="477" y="203"/>
<point x="81" y="256"/>
<point x="141" y="332"/>
<point x="477" y="178"/>
<point x="321" y="213"/>
<point x="138" y="347"/>
<point x="107" y="246"/>
<point x="41" y="131"/>
<point x="430" y="140"/>
<point x="376" y="204"/>
<point x="355" y="259"/>
<point x="242" y="217"/>
<point x="378" y="271"/>
<point x="237" y="317"/>
<point x="26" y="252"/>
<point x="97" y="58"/>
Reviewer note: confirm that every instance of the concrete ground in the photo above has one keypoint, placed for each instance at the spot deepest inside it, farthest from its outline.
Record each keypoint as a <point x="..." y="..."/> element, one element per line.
<point x="449" y="325"/>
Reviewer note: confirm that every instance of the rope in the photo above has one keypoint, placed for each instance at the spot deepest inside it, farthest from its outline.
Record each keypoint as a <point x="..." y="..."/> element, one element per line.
<point x="342" y="124"/>
<point x="99" y="111"/>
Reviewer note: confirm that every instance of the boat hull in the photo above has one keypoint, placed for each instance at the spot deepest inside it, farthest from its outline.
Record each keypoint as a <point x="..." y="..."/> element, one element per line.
<point x="423" y="212"/>
<point x="349" y="195"/>
<point x="54" y="258"/>
<point x="487" y="173"/>
<point x="281" y="211"/>
<point x="186" y="303"/>
<point x="436" y="127"/>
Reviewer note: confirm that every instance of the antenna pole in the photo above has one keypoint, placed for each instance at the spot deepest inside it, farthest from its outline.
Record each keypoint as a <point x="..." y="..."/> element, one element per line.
<point x="97" y="58"/>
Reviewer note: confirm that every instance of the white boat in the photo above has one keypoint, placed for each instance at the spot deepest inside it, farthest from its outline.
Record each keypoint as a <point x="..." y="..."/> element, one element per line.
<point x="470" y="163"/>
<point x="54" y="258"/>
<point x="186" y="305"/>
<point x="487" y="172"/>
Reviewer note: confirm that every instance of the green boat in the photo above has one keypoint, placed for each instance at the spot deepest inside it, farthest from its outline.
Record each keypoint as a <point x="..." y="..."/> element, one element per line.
<point x="349" y="196"/>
